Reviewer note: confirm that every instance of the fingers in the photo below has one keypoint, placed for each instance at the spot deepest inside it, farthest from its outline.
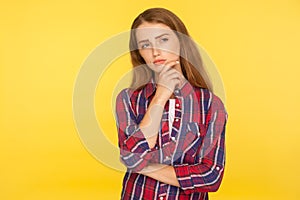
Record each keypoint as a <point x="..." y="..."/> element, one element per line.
<point x="167" y="66"/>
<point x="170" y="84"/>
<point x="169" y="77"/>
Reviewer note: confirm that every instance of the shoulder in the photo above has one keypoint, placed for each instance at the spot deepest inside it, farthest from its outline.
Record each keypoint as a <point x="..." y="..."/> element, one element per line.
<point x="203" y="94"/>
<point x="128" y="94"/>
<point x="212" y="106"/>
<point x="208" y="99"/>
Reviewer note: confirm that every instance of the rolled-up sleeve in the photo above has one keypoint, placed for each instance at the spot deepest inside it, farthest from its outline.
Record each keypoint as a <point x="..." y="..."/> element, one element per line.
<point x="134" y="149"/>
<point x="206" y="175"/>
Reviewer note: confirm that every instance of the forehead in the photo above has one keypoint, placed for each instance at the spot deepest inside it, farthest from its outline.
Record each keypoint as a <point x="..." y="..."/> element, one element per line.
<point x="151" y="30"/>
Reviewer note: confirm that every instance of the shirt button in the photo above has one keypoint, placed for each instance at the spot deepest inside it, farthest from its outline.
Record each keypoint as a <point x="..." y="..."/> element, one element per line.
<point x="161" y="198"/>
<point x="176" y="120"/>
<point x="177" y="105"/>
<point x="173" y="139"/>
<point x="167" y="158"/>
<point x="218" y="168"/>
<point x="176" y="91"/>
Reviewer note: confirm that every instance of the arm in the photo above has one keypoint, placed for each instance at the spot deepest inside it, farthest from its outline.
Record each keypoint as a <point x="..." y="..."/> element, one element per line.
<point x="168" y="78"/>
<point x="151" y="121"/>
<point x="171" y="175"/>
<point x="205" y="176"/>
<point x="137" y="140"/>
<point x="162" y="173"/>
<point x="134" y="149"/>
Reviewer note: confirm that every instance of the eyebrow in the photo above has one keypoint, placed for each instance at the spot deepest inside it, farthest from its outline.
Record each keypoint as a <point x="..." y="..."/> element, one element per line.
<point x="155" y="37"/>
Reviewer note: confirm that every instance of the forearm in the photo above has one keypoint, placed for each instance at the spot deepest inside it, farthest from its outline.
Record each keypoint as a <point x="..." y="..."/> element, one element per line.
<point x="162" y="173"/>
<point x="151" y="121"/>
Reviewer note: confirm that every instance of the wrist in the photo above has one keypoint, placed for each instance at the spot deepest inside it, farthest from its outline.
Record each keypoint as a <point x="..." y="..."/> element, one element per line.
<point x="159" y="100"/>
<point x="163" y="93"/>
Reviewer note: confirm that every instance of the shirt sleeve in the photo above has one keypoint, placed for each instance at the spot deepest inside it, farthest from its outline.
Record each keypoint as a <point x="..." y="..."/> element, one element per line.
<point x="207" y="174"/>
<point x="134" y="149"/>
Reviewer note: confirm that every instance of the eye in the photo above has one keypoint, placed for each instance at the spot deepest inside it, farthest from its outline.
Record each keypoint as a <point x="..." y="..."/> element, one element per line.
<point x="165" y="39"/>
<point x="145" y="45"/>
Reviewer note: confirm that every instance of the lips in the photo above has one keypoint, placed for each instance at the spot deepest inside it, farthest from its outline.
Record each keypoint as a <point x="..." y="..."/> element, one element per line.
<point x="159" y="61"/>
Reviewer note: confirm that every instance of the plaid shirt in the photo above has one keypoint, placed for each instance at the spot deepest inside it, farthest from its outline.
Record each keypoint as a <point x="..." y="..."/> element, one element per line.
<point x="194" y="146"/>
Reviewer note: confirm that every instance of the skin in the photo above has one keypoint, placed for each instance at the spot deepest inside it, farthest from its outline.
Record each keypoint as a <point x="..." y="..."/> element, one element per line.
<point x="157" y="41"/>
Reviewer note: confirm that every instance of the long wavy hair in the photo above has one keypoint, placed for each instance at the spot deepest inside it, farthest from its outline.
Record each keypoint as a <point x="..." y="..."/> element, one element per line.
<point x="190" y="59"/>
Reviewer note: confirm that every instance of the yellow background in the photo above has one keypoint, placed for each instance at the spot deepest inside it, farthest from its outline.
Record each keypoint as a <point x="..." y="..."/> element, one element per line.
<point x="255" y="45"/>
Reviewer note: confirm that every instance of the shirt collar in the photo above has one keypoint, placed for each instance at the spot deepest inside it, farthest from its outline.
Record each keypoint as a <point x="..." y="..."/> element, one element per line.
<point x="150" y="88"/>
<point x="185" y="90"/>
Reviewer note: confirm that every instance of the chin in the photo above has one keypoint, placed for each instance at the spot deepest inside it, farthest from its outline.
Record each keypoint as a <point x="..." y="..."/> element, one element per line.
<point x="156" y="69"/>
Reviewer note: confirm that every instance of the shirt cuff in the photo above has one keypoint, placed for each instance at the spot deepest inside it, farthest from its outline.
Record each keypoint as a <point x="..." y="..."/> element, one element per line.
<point x="184" y="176"/>
<point x="136" y="142"/>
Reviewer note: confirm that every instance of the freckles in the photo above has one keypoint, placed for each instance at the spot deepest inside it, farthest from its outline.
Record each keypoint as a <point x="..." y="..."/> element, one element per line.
<point x="177" y="48"/>
<point x="174" y="48"/>
<point x="142" y="54"/>
<point x="146" y="54"/>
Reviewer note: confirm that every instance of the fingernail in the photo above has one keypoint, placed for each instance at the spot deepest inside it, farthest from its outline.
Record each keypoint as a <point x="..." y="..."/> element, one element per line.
<point x="177" y="61"/>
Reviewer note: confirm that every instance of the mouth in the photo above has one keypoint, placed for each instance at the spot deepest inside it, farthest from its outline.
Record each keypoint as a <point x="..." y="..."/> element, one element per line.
<point x="159" y="61"/>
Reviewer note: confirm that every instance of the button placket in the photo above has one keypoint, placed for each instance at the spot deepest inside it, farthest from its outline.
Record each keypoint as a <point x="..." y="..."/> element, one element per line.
<point x="176" y="120"/>
<point x="162" y="191"/>
<point x="173" y="139"/>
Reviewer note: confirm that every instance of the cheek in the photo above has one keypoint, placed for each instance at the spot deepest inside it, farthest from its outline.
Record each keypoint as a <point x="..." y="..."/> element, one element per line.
<point x="145" y="55"/>
<point x="173" y="55"/>
<point x="177" y="48"/>
<point x="174" y="49"/>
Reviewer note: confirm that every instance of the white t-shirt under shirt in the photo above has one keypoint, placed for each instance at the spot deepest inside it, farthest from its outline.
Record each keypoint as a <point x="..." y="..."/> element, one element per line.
<point x="171" y="113"/>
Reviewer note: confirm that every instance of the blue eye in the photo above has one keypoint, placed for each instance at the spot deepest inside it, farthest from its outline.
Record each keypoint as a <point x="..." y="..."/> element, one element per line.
<point x="165" y="39"/>
<point x="145" y="45"/>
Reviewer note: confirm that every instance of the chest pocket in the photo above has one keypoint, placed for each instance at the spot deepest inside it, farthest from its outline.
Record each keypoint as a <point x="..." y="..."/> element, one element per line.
<point x="192" y="142"/>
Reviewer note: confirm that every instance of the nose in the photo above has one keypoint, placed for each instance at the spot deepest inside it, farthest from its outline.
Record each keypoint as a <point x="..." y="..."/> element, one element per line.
<point x="155" y="51"/>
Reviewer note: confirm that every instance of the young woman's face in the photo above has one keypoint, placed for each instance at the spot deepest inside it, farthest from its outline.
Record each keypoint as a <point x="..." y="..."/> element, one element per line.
<point x="157" y="44"/>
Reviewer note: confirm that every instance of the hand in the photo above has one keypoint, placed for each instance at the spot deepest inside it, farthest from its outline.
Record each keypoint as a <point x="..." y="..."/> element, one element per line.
<point x="168" y="79"/>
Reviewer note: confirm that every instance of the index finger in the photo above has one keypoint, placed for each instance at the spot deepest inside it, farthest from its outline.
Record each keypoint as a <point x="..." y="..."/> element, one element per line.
<point x="169" y="65"/>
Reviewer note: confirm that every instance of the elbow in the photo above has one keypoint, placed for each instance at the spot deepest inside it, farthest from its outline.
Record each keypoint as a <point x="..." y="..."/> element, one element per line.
<point x="215" y="187"/>
<point x="133" y="164"/>
<point x="134" y="161"/>
<point x="217" y="180"/>
<point x="212" y="182"/>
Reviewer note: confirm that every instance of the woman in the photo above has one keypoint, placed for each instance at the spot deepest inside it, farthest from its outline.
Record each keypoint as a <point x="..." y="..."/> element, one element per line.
<point x="171" y="126"/>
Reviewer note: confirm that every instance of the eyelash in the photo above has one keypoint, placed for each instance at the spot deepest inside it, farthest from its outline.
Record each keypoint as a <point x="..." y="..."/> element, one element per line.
<point x="164" y="39"/>
<point x="145" y="45"/>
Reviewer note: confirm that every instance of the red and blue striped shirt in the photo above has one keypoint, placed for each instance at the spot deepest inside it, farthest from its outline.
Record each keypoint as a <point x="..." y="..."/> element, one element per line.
<point x="195" y="145"/>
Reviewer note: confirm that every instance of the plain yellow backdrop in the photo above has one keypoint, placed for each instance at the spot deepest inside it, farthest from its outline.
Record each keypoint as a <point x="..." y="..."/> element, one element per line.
<point x="254" y="44"/>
